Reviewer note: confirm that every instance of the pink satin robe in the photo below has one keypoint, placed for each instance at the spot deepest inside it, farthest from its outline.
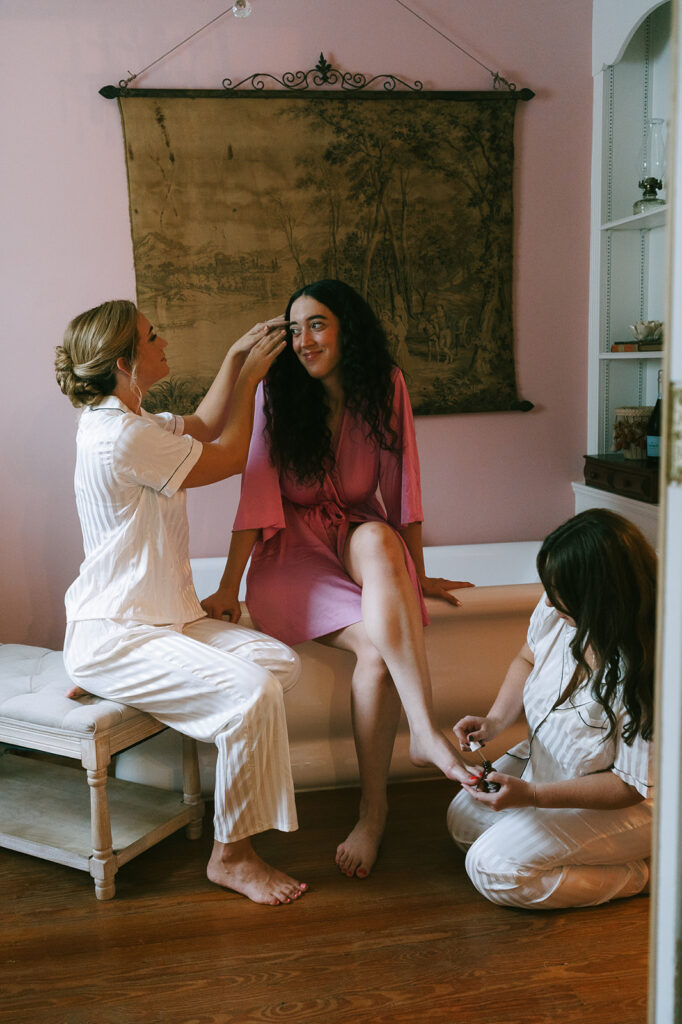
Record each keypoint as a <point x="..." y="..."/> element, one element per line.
<point x="297" y="585"/>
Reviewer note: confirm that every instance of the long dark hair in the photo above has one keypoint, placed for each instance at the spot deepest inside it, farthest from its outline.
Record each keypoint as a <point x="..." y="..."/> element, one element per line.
<point x="296" y="405"/>
<point x="599" y="569"/>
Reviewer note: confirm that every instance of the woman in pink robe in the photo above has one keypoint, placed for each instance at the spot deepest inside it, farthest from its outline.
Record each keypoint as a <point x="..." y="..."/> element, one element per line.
<point x="331" y="560"/>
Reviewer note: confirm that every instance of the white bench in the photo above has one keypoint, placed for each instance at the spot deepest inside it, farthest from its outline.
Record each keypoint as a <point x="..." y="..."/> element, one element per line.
<point x="48" y="809"/>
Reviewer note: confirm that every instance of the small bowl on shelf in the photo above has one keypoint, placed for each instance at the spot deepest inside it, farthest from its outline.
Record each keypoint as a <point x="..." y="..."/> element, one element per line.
<point x="647" y="330"/>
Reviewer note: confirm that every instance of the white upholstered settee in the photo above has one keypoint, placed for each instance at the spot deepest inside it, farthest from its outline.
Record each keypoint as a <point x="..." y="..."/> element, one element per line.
<point x="469" y="649"/>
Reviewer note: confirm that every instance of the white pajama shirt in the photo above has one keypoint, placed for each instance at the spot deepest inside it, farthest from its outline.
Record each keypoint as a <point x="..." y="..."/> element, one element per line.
<point x="137" y="634"/>
<point x="560" y="857"/>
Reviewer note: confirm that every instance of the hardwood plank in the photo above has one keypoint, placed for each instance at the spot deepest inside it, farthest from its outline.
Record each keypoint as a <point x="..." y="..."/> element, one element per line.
<point x="413" y="944"/>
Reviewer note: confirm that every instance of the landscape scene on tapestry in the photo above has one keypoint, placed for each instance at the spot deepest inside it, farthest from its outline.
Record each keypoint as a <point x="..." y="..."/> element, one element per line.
<point x="237" y="202"/>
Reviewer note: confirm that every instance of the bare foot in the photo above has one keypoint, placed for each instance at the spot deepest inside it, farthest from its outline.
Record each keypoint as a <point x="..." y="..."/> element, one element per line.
<point x="357" y="854"/>
<point x="435" y="749"/>
<point x="237" y="866"/>
<point x="77" y="691"/>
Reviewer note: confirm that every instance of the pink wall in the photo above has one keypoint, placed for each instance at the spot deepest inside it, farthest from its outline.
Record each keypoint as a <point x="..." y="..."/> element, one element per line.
<point x="66" y="245"/>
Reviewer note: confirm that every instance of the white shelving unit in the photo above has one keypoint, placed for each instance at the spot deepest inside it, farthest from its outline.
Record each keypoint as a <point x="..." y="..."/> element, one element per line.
<point x="628" y="251"/>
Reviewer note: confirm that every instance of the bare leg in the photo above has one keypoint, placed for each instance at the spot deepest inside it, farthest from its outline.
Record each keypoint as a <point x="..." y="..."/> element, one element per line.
<point x="237" y="866"/>
<point x="376" y="710"/>
<point x="392" y="619"/>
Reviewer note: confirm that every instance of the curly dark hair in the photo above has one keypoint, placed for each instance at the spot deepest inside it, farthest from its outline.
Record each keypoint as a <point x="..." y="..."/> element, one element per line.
<point x="296" y="405"/>
<point x="600" y="570"/>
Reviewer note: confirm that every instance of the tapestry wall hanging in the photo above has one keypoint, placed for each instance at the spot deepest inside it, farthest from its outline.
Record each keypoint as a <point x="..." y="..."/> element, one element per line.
<point x="240" y="197"/>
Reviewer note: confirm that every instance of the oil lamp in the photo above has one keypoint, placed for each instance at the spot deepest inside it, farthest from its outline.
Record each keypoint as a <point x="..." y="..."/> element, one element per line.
<point x="652" y="163"/>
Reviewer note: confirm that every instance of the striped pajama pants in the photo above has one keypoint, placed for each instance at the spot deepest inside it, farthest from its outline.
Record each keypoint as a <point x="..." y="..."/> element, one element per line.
<point x="547" y="858"/>
<point x="211" y="680"/>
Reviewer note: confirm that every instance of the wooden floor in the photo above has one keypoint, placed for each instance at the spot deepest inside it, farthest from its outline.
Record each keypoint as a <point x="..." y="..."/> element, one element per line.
<point x="413" y="944"/>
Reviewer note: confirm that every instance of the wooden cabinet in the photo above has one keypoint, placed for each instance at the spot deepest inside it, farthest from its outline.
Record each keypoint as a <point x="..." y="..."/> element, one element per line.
<point x="632" y="478"/>
<point x="628" y="250"/>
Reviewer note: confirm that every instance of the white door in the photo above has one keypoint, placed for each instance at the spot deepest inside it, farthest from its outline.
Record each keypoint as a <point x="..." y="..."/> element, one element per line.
<point x="666" y="929"/>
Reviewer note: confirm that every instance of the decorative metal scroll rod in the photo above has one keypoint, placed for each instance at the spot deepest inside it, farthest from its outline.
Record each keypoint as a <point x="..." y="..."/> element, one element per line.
<point x="322" y="75"/>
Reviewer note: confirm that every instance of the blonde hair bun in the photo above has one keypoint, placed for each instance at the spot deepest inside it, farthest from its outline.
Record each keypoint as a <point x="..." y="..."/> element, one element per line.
<point x="85" y="364"/>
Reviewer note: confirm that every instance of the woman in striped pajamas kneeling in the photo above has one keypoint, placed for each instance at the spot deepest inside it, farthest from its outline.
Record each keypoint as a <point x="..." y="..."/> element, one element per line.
<point x="570" y="824"/>
<point x="136" y="632"/>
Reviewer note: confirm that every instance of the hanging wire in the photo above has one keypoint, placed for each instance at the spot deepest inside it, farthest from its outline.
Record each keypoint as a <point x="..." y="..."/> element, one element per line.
<point x="125" y="82"/>
<point x="243" y="8"/>
<point x="498" y="80"/>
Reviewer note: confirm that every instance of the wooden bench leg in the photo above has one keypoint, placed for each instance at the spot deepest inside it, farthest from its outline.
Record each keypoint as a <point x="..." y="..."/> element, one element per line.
<point x="191" y="782"/>
<point x="102" y="862"/>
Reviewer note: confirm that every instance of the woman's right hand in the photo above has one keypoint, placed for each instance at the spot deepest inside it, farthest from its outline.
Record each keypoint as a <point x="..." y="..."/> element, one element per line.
<point x="262" y="355"/>
<point x="223" y="604"/>
<point x="474" y="727"/>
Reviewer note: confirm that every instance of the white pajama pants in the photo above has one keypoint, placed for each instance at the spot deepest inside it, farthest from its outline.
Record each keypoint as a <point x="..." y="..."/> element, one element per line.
<point x="547" y="858"/>
<point x="211" y="680"/>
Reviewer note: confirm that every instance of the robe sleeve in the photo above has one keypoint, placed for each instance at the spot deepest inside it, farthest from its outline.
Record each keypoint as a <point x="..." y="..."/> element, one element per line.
<point x="399" y="474"/>
<point x="260" y="504"/>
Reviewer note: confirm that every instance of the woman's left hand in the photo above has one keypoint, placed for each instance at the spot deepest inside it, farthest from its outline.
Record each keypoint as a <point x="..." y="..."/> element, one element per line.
<point x="513" y="792"/>
<point x="435" y="586"/>
<point x="243" y="345"/>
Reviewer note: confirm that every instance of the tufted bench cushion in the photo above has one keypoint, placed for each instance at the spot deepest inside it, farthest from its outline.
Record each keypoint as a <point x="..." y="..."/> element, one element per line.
<point x="33" y="687"/>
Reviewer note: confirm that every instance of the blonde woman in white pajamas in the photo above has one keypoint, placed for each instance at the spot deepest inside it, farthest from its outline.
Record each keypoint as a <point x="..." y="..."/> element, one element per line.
<point x="571" y="822"/>
<point x="136" y="632"/>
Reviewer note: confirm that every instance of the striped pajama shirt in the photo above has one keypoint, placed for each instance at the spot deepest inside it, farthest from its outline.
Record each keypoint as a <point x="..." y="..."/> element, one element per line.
<point x="137" y="634"/>
<point x="546" y="858"/>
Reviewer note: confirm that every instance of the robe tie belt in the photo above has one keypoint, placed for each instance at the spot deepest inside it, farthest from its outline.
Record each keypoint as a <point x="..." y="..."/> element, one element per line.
<point x="329" y="515"/>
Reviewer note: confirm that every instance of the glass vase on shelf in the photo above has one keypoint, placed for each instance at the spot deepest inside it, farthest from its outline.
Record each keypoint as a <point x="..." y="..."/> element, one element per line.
<point x="652" y="162"/>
